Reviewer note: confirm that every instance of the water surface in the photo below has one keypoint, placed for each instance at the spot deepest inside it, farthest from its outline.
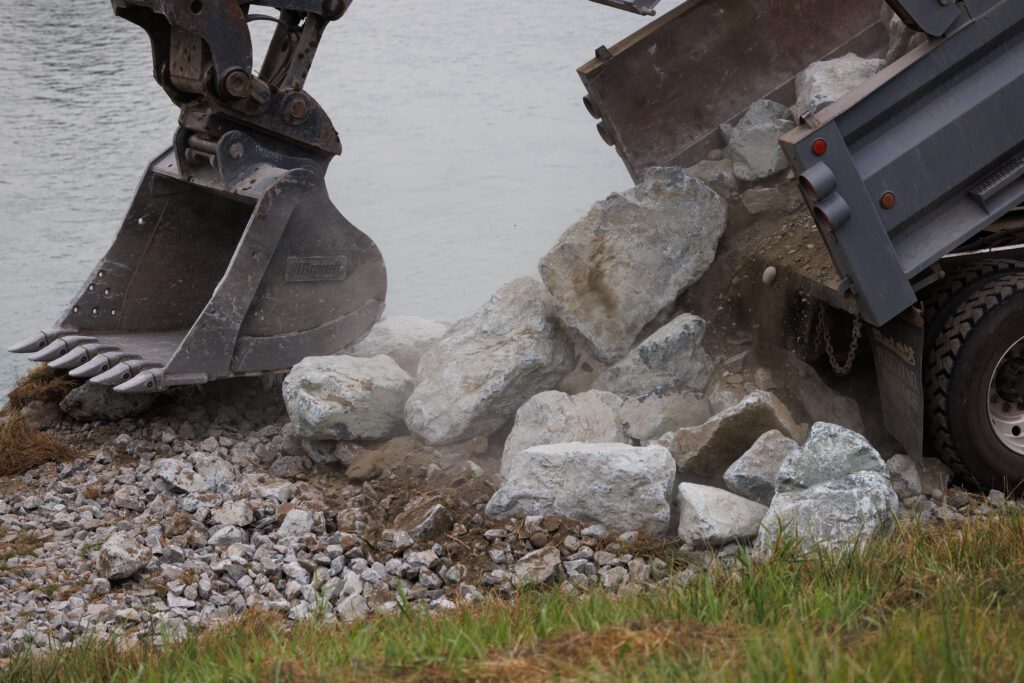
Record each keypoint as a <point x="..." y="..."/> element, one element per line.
<point x="467" y="148"/>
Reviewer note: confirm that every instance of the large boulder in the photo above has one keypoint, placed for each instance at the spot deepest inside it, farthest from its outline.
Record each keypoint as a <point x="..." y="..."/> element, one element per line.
<point x="710" y="516"/>
<point x="404" y="338"/>
<point x="122" y="557"/>
<point x="753" y="143"/>
<point x="824" y="83"/>
<point x="622" y="487"/>
<point x="344" y="398"/>
<point x="831" y="515"/>
<point x="831" y="452"/>
<point x="710" y="449"/>
<point x="488" y="364"/>
<point x="671" y="359"/>
<point x="648" y="417"/>
<point x="91" y="402"/>
<point x="753" y="475"/>
<point x="553" y="417"/>
<point x="613" y="271"/>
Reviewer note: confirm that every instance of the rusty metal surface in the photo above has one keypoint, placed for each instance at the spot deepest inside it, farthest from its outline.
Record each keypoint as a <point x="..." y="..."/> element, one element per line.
<point x="662" y="93"/>
<point x="232" y="259"/>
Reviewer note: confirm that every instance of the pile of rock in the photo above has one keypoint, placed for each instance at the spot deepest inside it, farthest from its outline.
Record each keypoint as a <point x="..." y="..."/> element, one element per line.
<point x="532" y="442"/>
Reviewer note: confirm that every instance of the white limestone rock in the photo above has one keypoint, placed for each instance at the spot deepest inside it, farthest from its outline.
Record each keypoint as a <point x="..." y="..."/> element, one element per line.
<point x="488" y="364"/>
<point x="753" y="143"/>
<point x="613" y="271"/>
<point x="622" y="487"/>
<point x="753" y="475"/>
<point x="823" y="83"/>
<point x="344" y="398"/>
<point x="830" y="452"/>
<point x="833" y="515"/>
<point x="713" y="517"/>
<point x="710" y="449"/>
<point x="671" y="359"/>
<point x="553" y="417"/>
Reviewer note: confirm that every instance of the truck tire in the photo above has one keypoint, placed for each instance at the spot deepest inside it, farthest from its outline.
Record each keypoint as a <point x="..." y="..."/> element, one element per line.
<point x="974" y="385"/>
<point x="943" y="298"/>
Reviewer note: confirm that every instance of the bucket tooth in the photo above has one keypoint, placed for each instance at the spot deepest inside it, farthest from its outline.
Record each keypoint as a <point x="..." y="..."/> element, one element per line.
<point x="146" y="382"/>
<point x="123" y="371"/>
<point x="59" y="347"/>
<point x="37" y="342"/>
<point x="80" y="355"/>
<point x="100" y="363"/>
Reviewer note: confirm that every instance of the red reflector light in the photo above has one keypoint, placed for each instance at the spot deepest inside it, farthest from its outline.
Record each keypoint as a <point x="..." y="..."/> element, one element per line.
<point x="819" y="147"/>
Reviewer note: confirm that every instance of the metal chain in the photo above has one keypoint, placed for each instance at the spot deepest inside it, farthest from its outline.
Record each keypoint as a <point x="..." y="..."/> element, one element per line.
<point x="824" y="338"/>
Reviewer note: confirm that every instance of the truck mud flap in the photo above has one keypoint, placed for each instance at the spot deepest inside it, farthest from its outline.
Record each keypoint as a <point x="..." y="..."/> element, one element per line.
<point x="899" y="365"/>
<point x="662" y="93"/>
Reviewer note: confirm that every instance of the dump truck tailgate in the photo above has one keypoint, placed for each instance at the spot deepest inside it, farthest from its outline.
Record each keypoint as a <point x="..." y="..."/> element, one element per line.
<point x="663" y="92"/>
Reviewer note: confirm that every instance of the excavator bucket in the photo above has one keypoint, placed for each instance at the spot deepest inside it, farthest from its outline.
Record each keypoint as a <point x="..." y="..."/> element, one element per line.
<point x="238" y="268"/>
<point x="662" y="93"/>
<point x="232" y="259"/>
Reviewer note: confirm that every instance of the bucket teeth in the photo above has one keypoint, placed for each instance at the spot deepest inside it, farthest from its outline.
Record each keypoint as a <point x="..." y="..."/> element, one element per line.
<point x="80" y="355"/>
<point x="146" y="382"/>
<point x="59" y="347"/>
<point x="37" y="342"/>
<point x="123" y="371"/>
<point x="100" y="363"/>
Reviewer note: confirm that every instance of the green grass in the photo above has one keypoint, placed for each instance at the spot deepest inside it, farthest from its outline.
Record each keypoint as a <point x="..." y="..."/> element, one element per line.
<point x="923" y="604"/>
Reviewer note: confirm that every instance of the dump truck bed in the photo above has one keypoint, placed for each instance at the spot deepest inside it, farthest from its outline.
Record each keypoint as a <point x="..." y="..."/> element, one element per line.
<point x="662" y="93"/>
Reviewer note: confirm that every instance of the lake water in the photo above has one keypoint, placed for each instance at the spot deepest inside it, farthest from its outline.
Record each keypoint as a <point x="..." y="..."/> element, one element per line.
<point x="467" y="148"/>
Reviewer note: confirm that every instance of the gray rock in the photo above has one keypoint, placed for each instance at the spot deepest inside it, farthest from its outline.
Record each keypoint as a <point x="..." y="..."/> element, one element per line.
<point x="233" y="513"/>
<point x="904" y="476"/>
<point x="710" y="449"/>
<point x="671" y="359"/>
<point x="352" y="608"/>
<point x="830" y="452"/>
<point x="648" y="417"/>
<point x="713" y="517"/>
<point x="758" y="200"/>
<point x="619" y="486"/>
<point x="823" y="83"/>
<point x="129" y="498"/>
<point x="833" y="515"/>
<point x="227" y="535"/>
<point x="488" y="364"/>
<point x="554" y="417"/>
<point x="404" y="338"/>
<point x="716" y="174"/>
<point x="753" y="475"/>
<point x="296" y="523"/>
<point x="91" y="402"/>
<point x="426" y="519"/>
<point x="122" y="557"/>
<point x="612" y="272"/>
<point x="344" y="398"/>
<point x="180" y="475"/>
<point x="537" y="568"/>
<point x="935" y="477"/>
<point x="754" y="141"/>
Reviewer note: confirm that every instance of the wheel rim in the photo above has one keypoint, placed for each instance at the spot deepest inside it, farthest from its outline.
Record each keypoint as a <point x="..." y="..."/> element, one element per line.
<point x="1006" y="417"/>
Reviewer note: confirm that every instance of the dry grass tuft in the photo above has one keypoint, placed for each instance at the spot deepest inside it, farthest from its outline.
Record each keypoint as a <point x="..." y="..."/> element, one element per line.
<point x="42" y="383"/>
<point x="23" y="447"/>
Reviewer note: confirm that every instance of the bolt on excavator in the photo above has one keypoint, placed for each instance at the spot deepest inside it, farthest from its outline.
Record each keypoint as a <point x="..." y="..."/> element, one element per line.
<point x="233" y="261"/>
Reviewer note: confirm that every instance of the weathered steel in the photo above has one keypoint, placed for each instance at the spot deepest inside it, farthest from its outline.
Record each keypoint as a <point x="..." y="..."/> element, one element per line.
<point x="232" y="260"/>
<point x="919" y="159"/>
<point x="663" y="93"/>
